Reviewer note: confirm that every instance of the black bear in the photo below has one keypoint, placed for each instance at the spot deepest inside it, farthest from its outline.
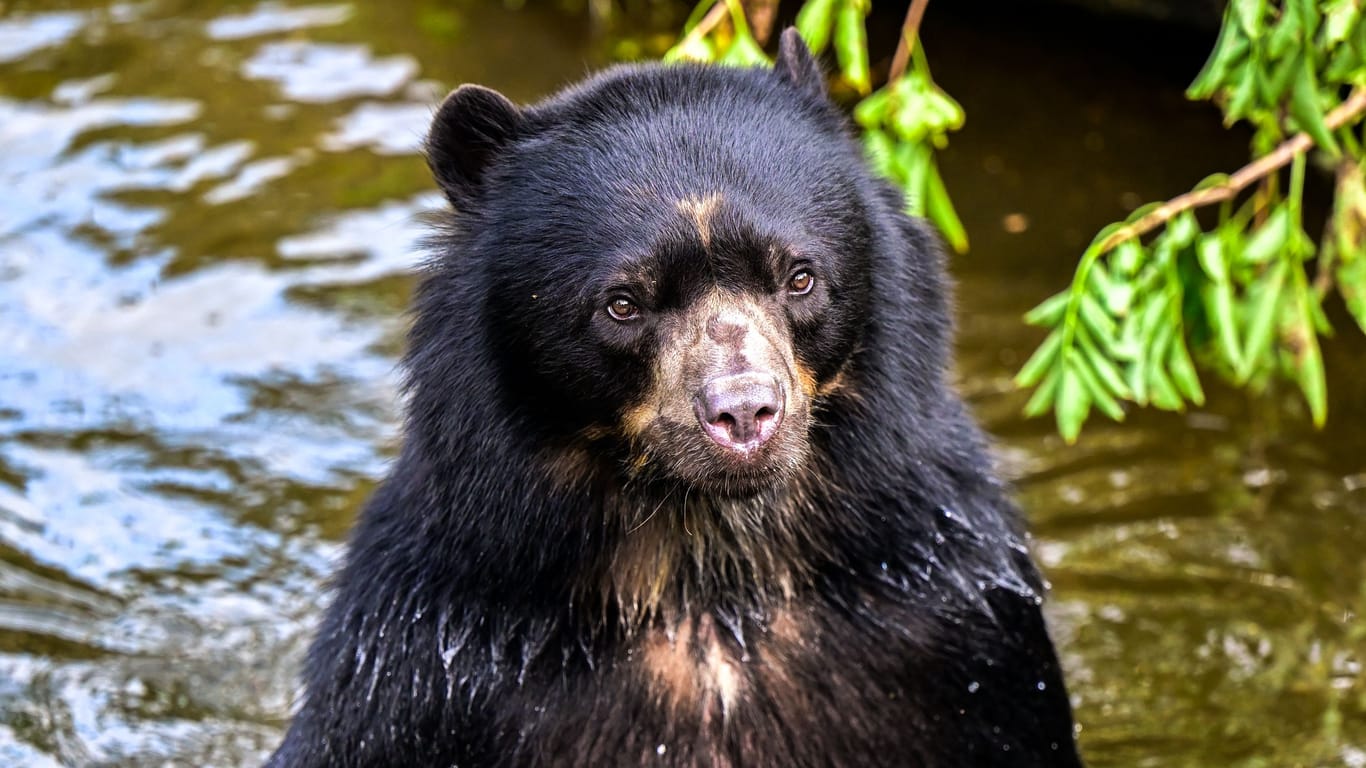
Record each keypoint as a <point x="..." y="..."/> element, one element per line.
<point x="682" y="482"/>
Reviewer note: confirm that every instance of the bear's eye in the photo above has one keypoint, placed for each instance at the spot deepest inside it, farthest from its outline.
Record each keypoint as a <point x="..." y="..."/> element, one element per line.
<point x="622" y="308"/>
<point x="800" y="283"/>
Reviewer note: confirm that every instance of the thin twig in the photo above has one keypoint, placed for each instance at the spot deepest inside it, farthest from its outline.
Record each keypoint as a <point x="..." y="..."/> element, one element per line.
<point x="761" y="15"/>
<point x="906" y="45"/>
<point x="706" y="25"/>
<point x="1258" y="169"/>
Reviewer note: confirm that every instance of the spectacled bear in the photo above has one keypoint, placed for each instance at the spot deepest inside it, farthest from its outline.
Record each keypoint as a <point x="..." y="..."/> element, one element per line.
<point x="682" y="481"/>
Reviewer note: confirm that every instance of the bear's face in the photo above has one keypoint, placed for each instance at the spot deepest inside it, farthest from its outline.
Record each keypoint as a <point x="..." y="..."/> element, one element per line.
<point x="691" y="307"/>
<point x="707" y="342"/>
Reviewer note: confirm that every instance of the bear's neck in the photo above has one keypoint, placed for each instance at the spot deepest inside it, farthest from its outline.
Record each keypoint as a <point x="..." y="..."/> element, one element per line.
<point x="676" y="551"/>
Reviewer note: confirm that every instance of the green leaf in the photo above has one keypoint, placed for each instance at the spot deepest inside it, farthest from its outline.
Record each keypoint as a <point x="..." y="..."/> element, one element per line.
<point x="691" y="49"/>
<point x="1244" y="95"/>
<point x="1049" y="311"/>
<point x="879" y="148"/>
<point x="1308" y="112"/>
<point x="1261" y="320"/>
<point x="1249" y="14"/>
<point x="908" y="119"/>
<point x="1130" y="336"/>
<point x="1043" y="397"/>
<point x="1073" y="402"/>
<point x="1182" y="230"/>
<point x="851" y="44"/>
<point x="1340" y="17"/>
<point x="1145" y="325"/>
<point x="1319" y="317"/>
<point x="1309" y="367"/>
<point x="1099" y="395"/>
<point x="1095" y="318"/>
<point x="913" y="161"/>
<point x="1218" y="300"/>
<point x="1183" y="371"/>
<point x="949" y="113"/>
<point x="1119" y="298"/>
<point x="814" y="22"/>
<point x="1127" y="257"/>
<point x="1231" y="47"/>
<point x="1288" y="33"/>
<point x="1104" y="368"/>
<point x="744" y="51"/>
<point x="1346" y="61"/>
<point x="1282" y="76"/>
<point x="940" y="208"/>
<point x="1351" y="280"/>
<point x="1042" y="360"/>
<point x="1270" y="240"/>
<point x="1098" y="278"/>
<point x="1309" y="15"/>
<point x="1164" y="394"/>
<point x="1210" y="254"/>
<point x="871" y="112"/>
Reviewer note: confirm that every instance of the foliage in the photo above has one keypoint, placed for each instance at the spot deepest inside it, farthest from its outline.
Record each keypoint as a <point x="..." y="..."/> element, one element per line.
<point x="1241" y="290"/>
<point x="1238" y="292"/>
<point x="904" y="121"/>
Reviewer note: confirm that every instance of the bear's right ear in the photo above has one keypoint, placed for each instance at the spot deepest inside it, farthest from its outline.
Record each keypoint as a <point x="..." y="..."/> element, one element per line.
<point x="473" y="124"/>
<point x="796" y="65"/>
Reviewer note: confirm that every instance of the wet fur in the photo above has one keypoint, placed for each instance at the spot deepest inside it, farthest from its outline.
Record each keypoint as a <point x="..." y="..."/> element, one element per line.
<point x="527" y="588"/>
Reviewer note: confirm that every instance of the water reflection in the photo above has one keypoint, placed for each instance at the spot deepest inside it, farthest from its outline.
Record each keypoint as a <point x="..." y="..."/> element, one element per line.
<point x="208" y="217"/>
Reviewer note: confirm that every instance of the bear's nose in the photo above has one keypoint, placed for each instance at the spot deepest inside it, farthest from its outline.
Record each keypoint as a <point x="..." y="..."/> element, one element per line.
<point x="740" y="411"/>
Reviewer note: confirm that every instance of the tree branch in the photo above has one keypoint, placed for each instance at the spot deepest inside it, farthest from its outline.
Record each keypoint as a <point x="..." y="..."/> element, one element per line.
<point x="1258" y="169"/>
<point x="761" y="15"/>
<point x="706" y="25"/>
<point x="910" y="30"/>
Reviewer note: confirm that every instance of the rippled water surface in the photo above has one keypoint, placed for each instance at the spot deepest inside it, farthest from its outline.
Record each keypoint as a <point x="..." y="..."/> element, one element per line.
<point x="208" y="215"/>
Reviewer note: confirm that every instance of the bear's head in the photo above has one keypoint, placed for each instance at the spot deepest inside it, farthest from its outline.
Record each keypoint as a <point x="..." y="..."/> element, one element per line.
<point x="673" y="261"/>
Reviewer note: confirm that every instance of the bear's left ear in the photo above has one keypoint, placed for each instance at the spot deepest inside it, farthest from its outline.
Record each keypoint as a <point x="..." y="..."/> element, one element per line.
<point x="796" y="65"/>
<point x="472" y="126"/>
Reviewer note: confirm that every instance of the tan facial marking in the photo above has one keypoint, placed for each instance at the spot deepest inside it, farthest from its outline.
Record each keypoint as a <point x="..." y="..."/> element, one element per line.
<point x="832" y="386"/>
<point x="688" y="343"/>
<point x="637" y="419"/>
<point x="806" y="379"/>
<point x="568" y="466"/>
<point x="700" y="210"/>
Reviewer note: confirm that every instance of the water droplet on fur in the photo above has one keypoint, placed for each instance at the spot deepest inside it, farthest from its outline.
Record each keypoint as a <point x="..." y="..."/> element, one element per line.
<point x="884" y="566"/>
<point x="974" y="686"/>
<point x="661" y="749"/>
<point x="1042" y="685"/>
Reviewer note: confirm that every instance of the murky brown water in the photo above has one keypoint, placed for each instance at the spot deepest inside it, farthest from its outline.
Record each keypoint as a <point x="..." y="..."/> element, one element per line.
<point x="207" y="219"/>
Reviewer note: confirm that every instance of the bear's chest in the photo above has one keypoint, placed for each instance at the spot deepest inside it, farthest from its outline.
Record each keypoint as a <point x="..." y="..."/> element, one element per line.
<point x="791" y="690"/>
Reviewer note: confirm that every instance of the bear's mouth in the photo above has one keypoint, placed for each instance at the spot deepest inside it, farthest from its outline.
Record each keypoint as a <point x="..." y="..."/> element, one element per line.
<point x="683" y="444"/>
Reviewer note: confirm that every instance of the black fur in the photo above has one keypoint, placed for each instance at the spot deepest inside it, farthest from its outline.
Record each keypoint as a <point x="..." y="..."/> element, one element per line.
<point x="875" y="606"/>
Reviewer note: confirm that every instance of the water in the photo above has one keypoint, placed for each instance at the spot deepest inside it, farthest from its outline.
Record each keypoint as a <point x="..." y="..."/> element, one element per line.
<point x="207" y="218"/>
